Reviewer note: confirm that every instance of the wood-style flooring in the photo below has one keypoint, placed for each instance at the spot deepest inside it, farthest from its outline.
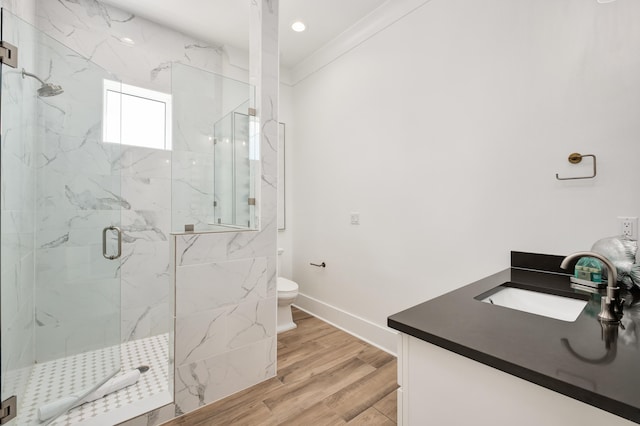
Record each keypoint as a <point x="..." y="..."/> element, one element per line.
<point x="325" y="377"/>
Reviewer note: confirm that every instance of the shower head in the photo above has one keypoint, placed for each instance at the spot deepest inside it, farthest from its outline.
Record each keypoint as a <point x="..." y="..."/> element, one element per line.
<point x="47" y="89"/>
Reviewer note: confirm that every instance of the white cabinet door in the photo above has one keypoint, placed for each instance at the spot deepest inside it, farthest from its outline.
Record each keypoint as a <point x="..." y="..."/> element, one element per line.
<point x="439" y="387"/>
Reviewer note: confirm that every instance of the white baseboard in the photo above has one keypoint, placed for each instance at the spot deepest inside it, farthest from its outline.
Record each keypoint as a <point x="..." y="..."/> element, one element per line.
<point x="381" y="337"/>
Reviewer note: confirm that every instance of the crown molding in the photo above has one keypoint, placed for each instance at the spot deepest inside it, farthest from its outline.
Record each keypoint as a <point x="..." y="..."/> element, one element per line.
<point x="384" y="16"/>
<point x="285" y="76"/>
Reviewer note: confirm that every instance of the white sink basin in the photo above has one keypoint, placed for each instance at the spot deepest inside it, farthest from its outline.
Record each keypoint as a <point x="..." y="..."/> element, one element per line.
<point x="547" y="305"/>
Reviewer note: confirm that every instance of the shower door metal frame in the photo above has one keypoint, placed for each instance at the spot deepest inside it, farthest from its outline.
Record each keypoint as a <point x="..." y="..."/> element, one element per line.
<point x="8" y="54"/>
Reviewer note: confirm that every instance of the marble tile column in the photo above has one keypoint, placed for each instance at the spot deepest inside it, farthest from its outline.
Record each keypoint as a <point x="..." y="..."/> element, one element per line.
<point x="226" y="299"/>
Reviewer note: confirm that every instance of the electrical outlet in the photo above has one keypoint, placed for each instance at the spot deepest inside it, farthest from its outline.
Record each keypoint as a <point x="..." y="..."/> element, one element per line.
<point x="355" y="218"/>
<point x="629" y="227"/>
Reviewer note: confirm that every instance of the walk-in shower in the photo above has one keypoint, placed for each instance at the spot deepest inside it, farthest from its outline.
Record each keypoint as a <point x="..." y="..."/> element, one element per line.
<point x="65" y="303"/>
<point x="86" y="288"/>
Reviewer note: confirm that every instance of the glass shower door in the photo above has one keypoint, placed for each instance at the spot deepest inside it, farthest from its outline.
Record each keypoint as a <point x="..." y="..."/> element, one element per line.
<point x="59" y="228"/>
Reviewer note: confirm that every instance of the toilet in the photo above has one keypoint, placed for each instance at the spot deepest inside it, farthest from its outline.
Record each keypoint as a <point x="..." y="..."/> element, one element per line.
<point x="287" y="293"/>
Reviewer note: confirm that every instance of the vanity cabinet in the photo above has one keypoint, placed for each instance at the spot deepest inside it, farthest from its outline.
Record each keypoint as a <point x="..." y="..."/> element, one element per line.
<point x="440" y="387"/>
<point x="464" y="360"/>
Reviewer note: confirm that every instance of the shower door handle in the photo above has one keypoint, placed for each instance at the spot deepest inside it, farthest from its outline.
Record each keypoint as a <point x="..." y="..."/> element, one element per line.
<point x="104" y="242"/>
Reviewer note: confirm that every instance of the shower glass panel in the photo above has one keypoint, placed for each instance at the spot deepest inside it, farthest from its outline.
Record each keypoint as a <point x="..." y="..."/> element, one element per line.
<point x="232" y="170"/>
<point x="215" y="156"/>
<point x="223" y="170"/>
<point x="60" y="212"/>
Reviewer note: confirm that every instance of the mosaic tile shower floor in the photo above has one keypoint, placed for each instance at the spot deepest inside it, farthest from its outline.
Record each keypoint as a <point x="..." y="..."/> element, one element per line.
<point x="59" y="378"/>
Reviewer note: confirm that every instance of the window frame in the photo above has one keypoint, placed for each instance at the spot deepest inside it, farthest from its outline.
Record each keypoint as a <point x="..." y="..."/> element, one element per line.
<point x="139" y="92"/>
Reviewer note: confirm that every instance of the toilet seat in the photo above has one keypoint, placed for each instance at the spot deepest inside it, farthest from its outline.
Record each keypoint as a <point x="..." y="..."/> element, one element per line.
<point x="285" y="285"/>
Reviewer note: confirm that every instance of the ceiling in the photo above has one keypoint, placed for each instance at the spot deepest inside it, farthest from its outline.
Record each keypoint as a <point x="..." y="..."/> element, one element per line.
<point x="226" y="22"/>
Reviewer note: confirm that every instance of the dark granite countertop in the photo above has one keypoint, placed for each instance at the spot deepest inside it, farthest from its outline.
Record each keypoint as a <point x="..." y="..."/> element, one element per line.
<point x="572" y="358"/>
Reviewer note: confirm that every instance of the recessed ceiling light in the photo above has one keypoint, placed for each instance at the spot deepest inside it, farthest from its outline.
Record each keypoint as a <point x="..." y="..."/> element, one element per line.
<point x="298" y="26"/>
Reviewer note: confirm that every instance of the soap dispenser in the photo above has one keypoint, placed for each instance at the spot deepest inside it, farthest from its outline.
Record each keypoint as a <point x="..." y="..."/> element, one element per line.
<point x="588" y="272"/>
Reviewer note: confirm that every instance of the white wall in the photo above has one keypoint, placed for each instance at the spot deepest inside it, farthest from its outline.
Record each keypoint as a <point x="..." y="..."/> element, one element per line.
<point x="285" y="237"/>
<point x="445" y="131"/>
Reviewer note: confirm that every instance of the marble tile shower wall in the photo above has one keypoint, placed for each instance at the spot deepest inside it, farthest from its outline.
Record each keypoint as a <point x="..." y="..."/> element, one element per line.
<point x="95" y="31"/>
<point x="77" y="194"/>
<point x="225" y="315"/>
<point x="17" y="205"/>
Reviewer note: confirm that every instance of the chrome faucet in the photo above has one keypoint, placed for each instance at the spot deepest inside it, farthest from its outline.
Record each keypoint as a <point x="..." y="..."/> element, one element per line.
<point x="611" y="305"/>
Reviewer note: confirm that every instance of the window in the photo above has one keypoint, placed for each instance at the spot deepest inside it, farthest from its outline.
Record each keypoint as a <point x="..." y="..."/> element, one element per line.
<point x="136" y="116"/>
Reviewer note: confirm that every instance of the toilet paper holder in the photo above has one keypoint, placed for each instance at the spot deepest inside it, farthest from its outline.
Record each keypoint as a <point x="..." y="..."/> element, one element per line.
<point x="321" y="265"/>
